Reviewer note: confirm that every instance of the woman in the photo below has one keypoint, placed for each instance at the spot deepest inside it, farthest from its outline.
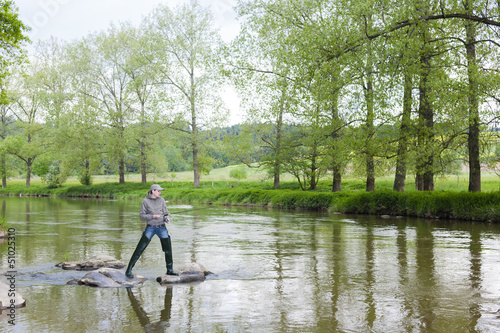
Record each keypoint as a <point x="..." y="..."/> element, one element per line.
<point x="154" y="211"/>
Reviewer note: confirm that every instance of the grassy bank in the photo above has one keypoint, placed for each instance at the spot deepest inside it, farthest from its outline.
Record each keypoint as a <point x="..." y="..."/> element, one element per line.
<point x="439" y="204"/>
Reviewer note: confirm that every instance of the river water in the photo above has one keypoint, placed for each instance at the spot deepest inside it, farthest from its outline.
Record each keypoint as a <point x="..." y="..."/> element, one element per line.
<point x="275" y="271"/>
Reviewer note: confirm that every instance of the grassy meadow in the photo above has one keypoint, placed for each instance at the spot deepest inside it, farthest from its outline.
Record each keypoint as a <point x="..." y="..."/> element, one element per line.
<point x="260" y="179"/>
<point x="450" y="200"/>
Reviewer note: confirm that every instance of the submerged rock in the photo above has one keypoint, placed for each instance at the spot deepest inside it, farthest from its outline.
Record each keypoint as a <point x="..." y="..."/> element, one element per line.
<point x="10" y="297"/>
<point x="3" y="233"/>
<point x="92" y="263"/>
<point x="187" y="273"/>
<point x="109" y="278"/>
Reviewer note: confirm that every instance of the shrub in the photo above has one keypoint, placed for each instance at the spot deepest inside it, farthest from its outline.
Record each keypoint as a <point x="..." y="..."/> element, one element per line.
<point x="238" y="173"/>
<point x="86" y="177"/>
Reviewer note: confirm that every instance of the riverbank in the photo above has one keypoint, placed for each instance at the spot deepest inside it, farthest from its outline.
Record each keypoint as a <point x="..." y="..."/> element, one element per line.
<point x="435" y="205"/>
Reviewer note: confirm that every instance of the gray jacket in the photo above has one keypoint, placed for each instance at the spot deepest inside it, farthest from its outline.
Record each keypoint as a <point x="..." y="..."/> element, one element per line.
<point x="153" y="206"/>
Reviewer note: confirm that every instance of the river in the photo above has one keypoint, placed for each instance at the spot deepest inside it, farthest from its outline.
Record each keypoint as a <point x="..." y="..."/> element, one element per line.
<point x="274" y="271"/>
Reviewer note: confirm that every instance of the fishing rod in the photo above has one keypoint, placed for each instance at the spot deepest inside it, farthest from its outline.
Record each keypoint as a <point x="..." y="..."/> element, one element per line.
<point x="187" y="210"/>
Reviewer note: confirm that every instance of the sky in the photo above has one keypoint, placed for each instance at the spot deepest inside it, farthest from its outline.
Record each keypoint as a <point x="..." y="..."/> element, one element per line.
<point x="73" y="19"/>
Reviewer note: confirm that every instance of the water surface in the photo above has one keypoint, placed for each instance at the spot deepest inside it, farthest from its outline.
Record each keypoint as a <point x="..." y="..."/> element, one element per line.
<point x="275" y="271"/>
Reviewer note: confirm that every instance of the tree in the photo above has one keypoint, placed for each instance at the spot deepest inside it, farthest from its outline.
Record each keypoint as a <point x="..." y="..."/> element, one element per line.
<point x="6" y="127"/>
<point x="56" y="98"/>
<point x="238" y="173"/>
<point x="12" y="39"/>
<point x="185" y="46"/>
<point x="321" y="32"/>
<point x="100" y="61"/>
<point x="26" y="107"/>
<point x="148" y="118"/>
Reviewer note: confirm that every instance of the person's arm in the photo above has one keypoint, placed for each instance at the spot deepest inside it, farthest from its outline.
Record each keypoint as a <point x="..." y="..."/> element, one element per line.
<point x="143" y="214"/>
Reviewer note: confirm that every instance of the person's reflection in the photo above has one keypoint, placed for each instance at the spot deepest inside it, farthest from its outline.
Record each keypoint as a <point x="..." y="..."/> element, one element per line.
<point x="143" y="316"/>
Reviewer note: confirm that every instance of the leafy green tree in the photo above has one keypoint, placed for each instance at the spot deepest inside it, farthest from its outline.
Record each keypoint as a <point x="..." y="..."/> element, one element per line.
<point x="238" y="173"/>
<point x="6" y="128"/>
<point x="13" y="38"/>
<point x="26" y="107"/>
<point x="149" y="118"/>
<point x="185" y="43"/>
<point x="100" y="60"/>
<point x="356" y="34"/>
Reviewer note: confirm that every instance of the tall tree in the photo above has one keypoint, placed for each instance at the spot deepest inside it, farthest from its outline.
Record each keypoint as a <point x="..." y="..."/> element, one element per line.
<point x="473" y="101"/>
<point x="26" y="106"/>
<point x="12" y="39"/>
<point x="6" y="124"/>
<point x="101" y="59"/>
<point x="147" y="104"/>
<point x="185" y="45"/>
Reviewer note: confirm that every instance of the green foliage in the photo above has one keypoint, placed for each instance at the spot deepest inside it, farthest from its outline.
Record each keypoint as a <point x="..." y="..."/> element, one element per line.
<point x="447" y="205"/>
<point x="50" y="172"/>
<point x="444" y="205"/>
<point x="85" y="177"/>
<point x="238" y="173"/>
<point x="3" y="223"/>
<point x="12" y="37"/>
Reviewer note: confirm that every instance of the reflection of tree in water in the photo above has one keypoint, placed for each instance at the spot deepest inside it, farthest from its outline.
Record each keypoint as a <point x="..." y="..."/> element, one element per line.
<point x="146" y="323"/>
<point x="475" y="249"/>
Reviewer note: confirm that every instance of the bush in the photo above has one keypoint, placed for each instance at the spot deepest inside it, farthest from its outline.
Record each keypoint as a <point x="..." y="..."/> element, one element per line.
<point x="238" y="173"/>
<point x="86" y="177"/>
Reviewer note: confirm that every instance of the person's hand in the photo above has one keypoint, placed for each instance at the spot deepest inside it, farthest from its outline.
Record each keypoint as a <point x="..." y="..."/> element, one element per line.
<point x="157" y="216"/>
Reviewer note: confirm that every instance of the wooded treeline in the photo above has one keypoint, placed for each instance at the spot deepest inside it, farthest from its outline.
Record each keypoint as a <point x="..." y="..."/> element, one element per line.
<point x="409" y="87"/>
<point x="328" y="87"/>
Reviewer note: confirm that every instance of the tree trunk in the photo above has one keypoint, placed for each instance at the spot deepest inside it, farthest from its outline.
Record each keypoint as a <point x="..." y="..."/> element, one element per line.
<point x="400" y="177"/>
<point x="336" y="135"/>
<point x="194" y="144"/>
<point x="337" y="179"/>
<point x="29" y="163"/>
<point x="121" y="170"/>
<point x="194" y="133"/>
<point x="276" y="179"/>
<point x="277" y="152"/>
<point x="370" y="164"/>
<point x="425" y="173"/>
<point x="312" y="184"/>
<point x="3" y="169"/>
<point x="143" y="162"/>
<point x="425" y="164"/>
<point x="196" y="167"/>
<point x="473" y="138"/>
<point x="143" y="140"/>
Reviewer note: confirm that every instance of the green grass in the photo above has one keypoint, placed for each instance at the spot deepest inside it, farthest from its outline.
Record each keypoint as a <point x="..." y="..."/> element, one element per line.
<point x="258" y="178"/>
<point x="450" y="199"/>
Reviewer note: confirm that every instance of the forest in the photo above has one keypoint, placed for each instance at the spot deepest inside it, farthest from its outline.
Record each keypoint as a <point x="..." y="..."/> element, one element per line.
<point x="328" y="88"/>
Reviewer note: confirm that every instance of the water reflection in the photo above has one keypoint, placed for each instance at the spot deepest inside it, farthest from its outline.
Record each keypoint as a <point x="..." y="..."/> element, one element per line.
<point x="275" y="271"/>
<point x="144" y="318"/>
<point x="425" y="274"/>
<point x="475" y="249"/>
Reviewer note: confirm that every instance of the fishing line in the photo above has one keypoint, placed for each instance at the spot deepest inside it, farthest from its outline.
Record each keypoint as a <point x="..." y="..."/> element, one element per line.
<point x="187" y="210"/>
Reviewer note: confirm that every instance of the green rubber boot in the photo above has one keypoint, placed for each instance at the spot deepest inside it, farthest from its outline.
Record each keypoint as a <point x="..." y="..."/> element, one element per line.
<point x="141" y="246"/>
<point x="166" y="245"/>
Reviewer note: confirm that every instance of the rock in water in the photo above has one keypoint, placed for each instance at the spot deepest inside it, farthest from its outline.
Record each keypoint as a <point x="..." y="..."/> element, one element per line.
<point x="3" y="233"/>
<point x="14" y="298"/>
<point x="92" y="263"/>
<point x="187" y="273"/>
<point x="110" y="278"/>
<point x="193" y="267"/>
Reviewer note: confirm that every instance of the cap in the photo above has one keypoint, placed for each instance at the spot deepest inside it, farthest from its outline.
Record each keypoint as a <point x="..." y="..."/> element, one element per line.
<point x="157" y="187"/>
